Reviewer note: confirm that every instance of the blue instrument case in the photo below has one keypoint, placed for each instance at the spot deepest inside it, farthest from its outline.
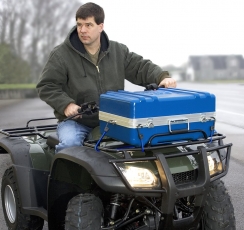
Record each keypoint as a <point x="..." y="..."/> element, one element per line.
<point x="157" y="116"/>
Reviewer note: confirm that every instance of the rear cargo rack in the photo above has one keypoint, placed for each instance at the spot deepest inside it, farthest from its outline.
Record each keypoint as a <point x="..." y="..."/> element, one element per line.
<point x="30" y="130"/>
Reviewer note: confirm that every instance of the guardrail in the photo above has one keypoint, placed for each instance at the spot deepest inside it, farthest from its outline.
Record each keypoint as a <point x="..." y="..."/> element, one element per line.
<point x="17" y="93"/>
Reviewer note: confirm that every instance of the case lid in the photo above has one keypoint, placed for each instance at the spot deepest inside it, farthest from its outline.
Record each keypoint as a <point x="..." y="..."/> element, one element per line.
<point x="161" y="102"/>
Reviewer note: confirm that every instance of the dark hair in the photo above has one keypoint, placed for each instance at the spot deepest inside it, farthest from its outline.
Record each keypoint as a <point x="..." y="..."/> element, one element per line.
<point x="91" y="10"/>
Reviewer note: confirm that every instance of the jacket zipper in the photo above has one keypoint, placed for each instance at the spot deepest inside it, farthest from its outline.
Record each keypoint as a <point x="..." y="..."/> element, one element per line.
<point x="98" y="70"/>
<point x="99" y="62"/>
<point x="99" y="77"/>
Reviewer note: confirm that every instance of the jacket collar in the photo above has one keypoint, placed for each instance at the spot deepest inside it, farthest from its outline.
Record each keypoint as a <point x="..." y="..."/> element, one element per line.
<point x="74" y="41"/>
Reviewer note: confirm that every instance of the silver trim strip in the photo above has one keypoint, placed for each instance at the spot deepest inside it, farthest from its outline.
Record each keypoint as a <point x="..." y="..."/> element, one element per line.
<point x="150" y="122"/>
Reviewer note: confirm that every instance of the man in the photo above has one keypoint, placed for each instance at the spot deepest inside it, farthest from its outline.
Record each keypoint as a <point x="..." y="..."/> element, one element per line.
<point x="86" y="65"/>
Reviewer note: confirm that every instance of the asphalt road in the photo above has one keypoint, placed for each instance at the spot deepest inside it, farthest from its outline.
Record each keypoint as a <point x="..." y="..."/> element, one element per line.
<point x="230" y="121"/>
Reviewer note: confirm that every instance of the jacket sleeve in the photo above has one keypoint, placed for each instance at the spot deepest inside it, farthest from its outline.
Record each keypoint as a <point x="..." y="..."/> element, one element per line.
<point x="142" y="71"/>
<point x="51" y="82"/>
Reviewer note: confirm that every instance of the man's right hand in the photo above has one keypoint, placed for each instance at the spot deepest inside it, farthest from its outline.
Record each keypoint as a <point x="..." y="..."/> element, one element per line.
<point x="168" y="82"/>
<point x="71" y="110"/>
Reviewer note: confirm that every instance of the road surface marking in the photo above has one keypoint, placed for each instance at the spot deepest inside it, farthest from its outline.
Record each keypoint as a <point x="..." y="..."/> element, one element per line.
<point x="225" y="111"/>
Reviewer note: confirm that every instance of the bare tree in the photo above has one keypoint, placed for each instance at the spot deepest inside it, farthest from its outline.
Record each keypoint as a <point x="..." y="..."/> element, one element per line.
<point x="3" y="22"/>
<point x="34" y="27"/>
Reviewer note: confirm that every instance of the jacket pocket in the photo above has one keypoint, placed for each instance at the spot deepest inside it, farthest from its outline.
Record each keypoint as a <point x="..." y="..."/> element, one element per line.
<point x="87" y="97"/>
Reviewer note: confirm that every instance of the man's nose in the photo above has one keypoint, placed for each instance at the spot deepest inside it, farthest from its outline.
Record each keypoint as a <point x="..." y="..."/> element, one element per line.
<point x="82" y="29"/>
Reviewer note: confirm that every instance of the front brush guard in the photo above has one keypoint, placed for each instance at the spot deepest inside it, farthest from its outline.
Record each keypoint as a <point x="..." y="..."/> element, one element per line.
<point x="170" y="192"/>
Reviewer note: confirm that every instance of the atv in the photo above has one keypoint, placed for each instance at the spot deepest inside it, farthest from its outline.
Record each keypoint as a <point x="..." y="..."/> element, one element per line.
<point x="108" y="184"/>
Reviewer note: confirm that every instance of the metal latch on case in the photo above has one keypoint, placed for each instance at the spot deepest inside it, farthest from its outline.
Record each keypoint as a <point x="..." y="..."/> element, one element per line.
<point x="203" y="118"/>
<point x="150" y="123"/>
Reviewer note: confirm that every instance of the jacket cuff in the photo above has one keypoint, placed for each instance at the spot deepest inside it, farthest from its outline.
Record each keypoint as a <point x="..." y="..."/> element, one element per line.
<point x="63" y="106"/>
<point x="163" y="75"/>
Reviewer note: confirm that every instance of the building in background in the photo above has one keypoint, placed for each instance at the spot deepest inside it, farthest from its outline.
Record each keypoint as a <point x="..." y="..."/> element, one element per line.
<point x="215" y="67"/>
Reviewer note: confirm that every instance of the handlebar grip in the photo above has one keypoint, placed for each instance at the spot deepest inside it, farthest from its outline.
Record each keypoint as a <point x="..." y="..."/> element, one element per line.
<point x="153" y="86"/>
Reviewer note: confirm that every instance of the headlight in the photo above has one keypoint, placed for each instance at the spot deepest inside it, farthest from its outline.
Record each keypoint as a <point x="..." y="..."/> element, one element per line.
<point x="214" y="163"/>
<point x="139" y="177"/>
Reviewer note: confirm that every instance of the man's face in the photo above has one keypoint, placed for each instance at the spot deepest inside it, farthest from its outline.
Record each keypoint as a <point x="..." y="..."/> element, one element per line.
<point x="88" y="31"/>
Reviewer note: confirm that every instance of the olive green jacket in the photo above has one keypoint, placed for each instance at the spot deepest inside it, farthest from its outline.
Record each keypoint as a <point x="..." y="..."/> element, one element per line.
<point x="69" y="75"/>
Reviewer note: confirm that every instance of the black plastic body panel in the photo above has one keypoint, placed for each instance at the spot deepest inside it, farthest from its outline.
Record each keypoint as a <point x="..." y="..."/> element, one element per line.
<point x="18" y="149"/>
<point x="98" y="166"/>
<point x="32" y="185"/>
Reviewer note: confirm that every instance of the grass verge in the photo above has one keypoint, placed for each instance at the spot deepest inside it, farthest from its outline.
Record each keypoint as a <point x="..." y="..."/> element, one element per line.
<point x="17" y="86"/>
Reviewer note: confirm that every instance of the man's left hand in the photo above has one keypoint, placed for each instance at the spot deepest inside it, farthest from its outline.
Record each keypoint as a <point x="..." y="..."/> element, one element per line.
<point x="168" y="83"/>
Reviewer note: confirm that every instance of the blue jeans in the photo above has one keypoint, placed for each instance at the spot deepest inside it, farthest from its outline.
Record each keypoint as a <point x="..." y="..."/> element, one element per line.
<point x="71" y="133"/>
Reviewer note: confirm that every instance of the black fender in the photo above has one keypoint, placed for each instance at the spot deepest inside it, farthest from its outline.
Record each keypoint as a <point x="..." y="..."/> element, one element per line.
<point x="77" y="170"/>
<point x="69" y="176"/>
<point x="96" y="164"/>
<point x="32" y="183"/>
<point x="18" y="149"/>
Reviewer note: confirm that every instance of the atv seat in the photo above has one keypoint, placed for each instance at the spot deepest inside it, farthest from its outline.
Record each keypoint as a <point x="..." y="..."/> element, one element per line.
<point x="52" y="140"/>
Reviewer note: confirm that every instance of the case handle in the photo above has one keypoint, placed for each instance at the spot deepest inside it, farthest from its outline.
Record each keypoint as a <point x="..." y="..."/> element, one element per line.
<point x="178" y="121"/>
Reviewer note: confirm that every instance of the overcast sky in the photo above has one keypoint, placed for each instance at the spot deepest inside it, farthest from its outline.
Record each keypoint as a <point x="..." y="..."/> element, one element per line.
<point x="168" y="31"/>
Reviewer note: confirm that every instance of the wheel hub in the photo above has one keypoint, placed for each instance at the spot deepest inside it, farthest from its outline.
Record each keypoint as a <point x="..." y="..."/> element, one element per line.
<point x="10" y="204"/>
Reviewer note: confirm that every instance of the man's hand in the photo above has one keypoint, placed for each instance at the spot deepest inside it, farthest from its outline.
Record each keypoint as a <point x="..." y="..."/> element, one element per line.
<point x="71" y="110"/>
<point x="168" y="82"/>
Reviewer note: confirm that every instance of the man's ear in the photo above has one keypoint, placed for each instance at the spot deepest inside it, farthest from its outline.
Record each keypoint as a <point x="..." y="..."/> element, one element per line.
<point x="101" y="26"/>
